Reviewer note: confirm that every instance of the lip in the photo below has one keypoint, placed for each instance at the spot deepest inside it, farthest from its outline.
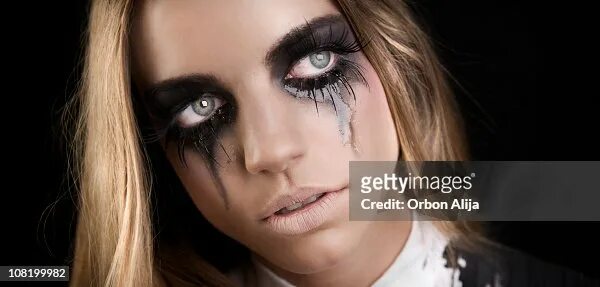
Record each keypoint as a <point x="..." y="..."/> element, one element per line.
<point x="308" y="217"/>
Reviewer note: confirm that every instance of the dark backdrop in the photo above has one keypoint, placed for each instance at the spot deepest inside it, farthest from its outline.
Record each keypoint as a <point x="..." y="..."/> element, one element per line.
<point x="520" y="77"/>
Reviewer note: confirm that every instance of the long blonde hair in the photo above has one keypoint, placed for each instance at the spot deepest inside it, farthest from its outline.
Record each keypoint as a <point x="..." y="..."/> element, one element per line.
<point x="114" y="239"/>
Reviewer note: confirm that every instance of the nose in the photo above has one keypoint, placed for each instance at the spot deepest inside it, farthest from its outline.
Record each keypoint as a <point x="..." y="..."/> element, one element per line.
<point x="272" y="139"/>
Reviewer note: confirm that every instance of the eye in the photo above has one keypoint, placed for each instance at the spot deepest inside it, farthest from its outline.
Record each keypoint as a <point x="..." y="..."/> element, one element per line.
<point x="199" y="110"/>
<point x="313" y="65"/>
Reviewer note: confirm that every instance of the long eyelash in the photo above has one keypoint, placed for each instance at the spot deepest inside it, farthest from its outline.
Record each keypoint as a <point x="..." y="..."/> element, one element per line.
<point x="343" y="42"/>
<point x="315" y="99"/>
<point x="214" y="134"/>
<point x="201" y="137"/>
<point x="345" y="72"/>
<point x="204" y="149"/>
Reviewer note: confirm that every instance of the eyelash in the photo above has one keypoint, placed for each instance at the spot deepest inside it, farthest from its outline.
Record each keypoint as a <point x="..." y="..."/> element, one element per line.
<point x="345" y="70"/>
<point x="342" y="73"/>
<point x="200" y="135"/>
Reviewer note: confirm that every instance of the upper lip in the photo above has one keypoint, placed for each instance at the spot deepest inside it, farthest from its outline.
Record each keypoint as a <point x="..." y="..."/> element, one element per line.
<point x="299" y="195"/>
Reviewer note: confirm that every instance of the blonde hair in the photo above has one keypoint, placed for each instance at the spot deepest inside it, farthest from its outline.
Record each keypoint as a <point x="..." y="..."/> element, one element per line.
<point x="114" y="240"/>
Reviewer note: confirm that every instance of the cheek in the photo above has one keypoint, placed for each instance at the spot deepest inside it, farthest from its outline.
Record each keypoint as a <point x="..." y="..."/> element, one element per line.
<point x="375" y="132"/>
<point x="202" y="188"/>
<point x="236" y="220"/>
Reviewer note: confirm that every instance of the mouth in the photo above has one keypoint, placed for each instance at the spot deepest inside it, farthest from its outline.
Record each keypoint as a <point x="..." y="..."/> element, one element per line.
<point x="299" y="205"/>
<point x="305" y="210"/>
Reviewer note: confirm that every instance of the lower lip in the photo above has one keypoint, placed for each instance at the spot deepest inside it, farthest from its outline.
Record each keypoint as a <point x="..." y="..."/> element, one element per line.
<point x="308" y="217"/>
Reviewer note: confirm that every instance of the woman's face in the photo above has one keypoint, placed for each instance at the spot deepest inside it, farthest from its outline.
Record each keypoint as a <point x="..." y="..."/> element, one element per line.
<point x="261" y="106"/>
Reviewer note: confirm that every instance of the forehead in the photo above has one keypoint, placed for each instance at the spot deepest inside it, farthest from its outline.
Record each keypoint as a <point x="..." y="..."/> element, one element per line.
<point x="177" y="37"/>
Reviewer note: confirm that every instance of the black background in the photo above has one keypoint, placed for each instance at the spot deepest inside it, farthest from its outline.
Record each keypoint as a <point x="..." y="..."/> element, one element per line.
<point x="526" y="91"/>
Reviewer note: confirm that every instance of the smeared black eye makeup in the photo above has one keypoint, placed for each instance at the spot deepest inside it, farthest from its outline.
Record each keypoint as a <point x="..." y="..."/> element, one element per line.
<point x="191" y="111"/>
<point x="316" y="61"/>
<point x="319" y="61"/>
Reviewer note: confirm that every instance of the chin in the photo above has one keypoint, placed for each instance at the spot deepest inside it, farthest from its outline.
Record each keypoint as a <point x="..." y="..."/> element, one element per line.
<point x="318" y="251"/>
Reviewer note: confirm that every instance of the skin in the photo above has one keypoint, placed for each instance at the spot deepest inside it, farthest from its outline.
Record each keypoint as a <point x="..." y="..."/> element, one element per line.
<point x="278" y="143"/>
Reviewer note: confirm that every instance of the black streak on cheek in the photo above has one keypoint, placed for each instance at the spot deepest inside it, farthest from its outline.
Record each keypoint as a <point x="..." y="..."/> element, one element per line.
<point x="213" y="168"/>
<point x="214" y="171"/>
<point x="206" y="140"/>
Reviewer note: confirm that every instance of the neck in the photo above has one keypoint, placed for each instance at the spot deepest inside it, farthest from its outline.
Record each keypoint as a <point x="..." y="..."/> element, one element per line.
<point x="382" y="243"/>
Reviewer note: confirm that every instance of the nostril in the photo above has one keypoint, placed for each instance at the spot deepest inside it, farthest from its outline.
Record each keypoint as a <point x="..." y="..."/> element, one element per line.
<point x="273" y="157"/>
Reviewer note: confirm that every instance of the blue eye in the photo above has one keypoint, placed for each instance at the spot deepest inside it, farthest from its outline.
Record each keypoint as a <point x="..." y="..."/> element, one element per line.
<point x="203" y="106"/>
<point x="320" y="60"/>
<point x="313" y="65"/>
<point x="199" y="110"/>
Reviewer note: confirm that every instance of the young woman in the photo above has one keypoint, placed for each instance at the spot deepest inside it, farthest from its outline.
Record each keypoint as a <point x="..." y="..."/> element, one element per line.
<point x="257" y="107"/>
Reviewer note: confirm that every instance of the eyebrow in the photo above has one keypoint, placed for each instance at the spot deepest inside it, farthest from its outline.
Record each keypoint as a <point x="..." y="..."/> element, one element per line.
<point x="299" y="34"/>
